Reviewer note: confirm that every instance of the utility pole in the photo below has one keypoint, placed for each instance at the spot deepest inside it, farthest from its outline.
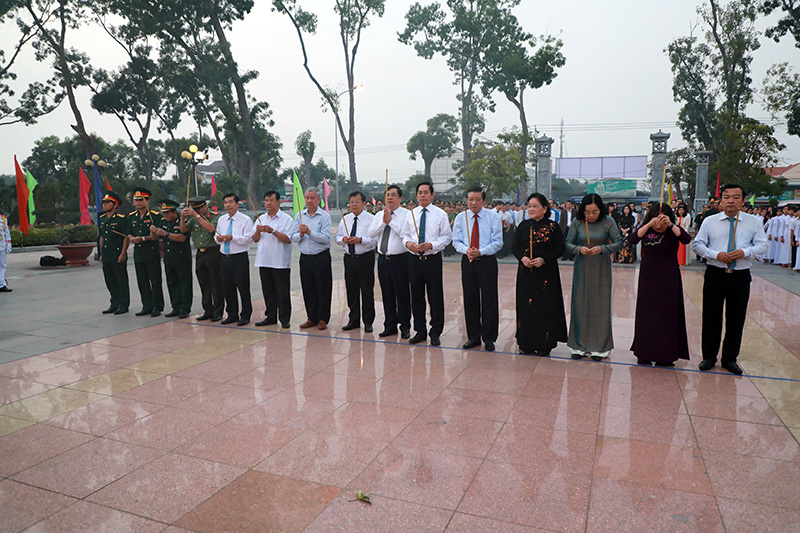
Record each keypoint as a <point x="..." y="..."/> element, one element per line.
<point x="561" y="141"/>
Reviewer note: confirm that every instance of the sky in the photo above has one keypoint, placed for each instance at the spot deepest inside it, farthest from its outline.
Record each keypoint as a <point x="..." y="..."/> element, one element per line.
<point x="614" y="91"/>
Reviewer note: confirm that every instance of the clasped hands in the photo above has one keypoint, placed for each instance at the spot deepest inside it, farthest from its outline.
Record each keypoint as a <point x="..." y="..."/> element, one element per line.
<point x="352" y="240"/>
<point x="419" y="248"/>
<point x="223" y="238"/>
<point x="594" y="250"/>
<point x="728" y="257"/>
<point x="264" y="229"/>
<point x="531" y="263"/>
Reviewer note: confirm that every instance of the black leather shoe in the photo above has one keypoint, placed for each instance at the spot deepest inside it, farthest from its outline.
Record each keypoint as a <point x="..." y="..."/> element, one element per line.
<point x="109" y="310"/>
<point x="266" y="322"/>
<point x="243" y="321"/>
<point x="489" y="345"/>
<point x="172" y="313"/>
<point x="121" y="311"/>
<point x="216" y="318"/>
<point x="471" y="344"/>
<point x="349" y="326"/>
<point x="577" y="355"/>
<point x="733" y="367"/>
<point x="156" y="312"/>
<point x="435" y="341"/>
<point x="416" y="339"/>
<point x="707" y="364"/>
<point x="285" y="325"/>
<point x="230" y="320"/>
<point x="144" y="312"/>
<point x="368" y="328"/>
<point x="184" y="314"/>
<point x="5" y="289"/>
<point x="204" y="316"/>
<point x="405" y="333"/>
<point x="388" y="333"/>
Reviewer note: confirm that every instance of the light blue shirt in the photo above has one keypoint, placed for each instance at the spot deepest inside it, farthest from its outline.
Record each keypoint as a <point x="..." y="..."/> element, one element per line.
<point x="715" y="232"/>
<point x="490" y="231"/>
<point x="320" y="225"/>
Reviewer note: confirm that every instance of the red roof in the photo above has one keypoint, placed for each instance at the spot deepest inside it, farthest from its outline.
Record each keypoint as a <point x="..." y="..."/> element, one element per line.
<point x="778" y="171"/>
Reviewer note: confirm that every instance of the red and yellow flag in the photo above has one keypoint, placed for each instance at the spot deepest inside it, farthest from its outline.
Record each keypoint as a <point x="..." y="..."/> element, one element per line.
<point x="22" y="198"/>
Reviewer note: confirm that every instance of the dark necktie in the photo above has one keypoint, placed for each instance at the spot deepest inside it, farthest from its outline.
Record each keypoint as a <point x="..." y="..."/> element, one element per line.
<point x="732" y="239"/>
<point x="352" y="247"/>
<point x="385" y="239"/>
<point x="475" y="240"/>
<point x="422" y="220"/>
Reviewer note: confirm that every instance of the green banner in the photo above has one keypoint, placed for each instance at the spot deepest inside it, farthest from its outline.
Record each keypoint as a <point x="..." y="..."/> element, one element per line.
<point x="613" y="187"/>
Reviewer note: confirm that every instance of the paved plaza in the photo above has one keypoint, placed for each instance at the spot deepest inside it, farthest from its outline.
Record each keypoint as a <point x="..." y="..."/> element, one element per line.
<point x="121" y="423"/>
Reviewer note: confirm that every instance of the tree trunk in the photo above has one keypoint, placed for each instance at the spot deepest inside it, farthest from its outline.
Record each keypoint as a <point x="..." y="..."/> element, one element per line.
<point x="428" y="165"/>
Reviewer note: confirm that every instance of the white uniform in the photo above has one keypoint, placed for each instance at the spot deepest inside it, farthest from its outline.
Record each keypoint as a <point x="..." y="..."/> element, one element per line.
<point x="5" y="248"/>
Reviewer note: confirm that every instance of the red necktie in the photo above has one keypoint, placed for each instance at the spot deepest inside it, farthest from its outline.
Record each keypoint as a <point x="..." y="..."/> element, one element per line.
<point x="474" y="241"/>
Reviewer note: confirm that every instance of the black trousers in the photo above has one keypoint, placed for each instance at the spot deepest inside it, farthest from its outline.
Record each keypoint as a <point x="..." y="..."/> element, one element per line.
<point x="275" y="288"/>
<point x="316" y="279"/>
<point x="479" y="283"/>
<point x="148" y="278"/>
<point x="179" y="283"/>
<point x="207" y="267"/>
<point x="425" y="275"/>
<point x="116" y="277"/>
<point x="731" y="290"/>
<point x="359" y="282"/>
<point x="236" y="277"/>
<point x="393" y="277"/>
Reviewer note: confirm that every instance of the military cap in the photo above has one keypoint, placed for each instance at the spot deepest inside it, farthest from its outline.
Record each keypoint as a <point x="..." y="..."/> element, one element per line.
<point x="168" y="205"/>
<point x="111" y="196"/>
<point x="197" y="202"/>
<point x="141" y="193"/>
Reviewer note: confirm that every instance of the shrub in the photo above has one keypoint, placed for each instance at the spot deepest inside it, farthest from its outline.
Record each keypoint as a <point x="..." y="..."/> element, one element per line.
<point x="43" y="235"/>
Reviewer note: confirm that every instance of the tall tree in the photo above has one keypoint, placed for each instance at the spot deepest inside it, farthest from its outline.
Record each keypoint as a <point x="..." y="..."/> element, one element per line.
<point x="789" y="21"/>
<point x="354" y="16"/>
<point x="304" y="147"/>
<point x="525" y="65"/>
<point x="781" y="86"/>
<point x="436" y="141"/>
<point x="462" y="35"/>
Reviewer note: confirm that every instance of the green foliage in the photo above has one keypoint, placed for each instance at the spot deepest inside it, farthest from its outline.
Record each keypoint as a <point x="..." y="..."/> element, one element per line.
<point x="436" y="141"/>
<point x="682" y="168"/>
<point x="43" y="235"/>
<point x="781" y="89"/>
<point x="789" y="23"/>
<point x="493" y="166"/>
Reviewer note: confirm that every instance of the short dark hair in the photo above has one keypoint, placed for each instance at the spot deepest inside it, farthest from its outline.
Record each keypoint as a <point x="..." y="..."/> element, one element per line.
<point x="477" y="189"/>
<point x="272" y="192"/>
<point x="590" y="199"/>
<point x="397" y="188"/>
<point x="542" y="200"/>
<point x="359" y="194"/>
<point x="421" y="183"/>
<point x="729" y="186"/>
<point x="229" y="195"/>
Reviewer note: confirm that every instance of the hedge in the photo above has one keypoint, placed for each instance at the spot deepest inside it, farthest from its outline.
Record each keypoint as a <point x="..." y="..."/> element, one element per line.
<point x="39" y="236"/>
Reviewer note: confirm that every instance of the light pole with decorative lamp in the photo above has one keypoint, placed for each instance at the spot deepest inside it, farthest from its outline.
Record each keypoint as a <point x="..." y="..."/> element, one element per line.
<point x="95" y="162"/>
<point x="194" y="157"/>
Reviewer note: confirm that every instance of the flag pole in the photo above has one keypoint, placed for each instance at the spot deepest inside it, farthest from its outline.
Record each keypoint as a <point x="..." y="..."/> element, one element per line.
<point x="663" y="179"/>
<point x="347" y="232"/>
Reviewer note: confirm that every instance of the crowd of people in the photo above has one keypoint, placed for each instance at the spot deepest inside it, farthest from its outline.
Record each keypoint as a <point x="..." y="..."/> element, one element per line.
<point x="409" y="244"/>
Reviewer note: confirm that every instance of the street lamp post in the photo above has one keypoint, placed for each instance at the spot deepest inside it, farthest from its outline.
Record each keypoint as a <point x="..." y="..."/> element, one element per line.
<point x="194" y="157"/>
<point x="96" y="163"/>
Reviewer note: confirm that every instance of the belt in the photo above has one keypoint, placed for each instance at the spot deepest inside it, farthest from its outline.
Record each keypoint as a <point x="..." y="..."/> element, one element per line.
<point x="426" y="257"/>
<point x="389" y="256"/>
<point x="359" y="255"/>
<point x="209" y="249"/>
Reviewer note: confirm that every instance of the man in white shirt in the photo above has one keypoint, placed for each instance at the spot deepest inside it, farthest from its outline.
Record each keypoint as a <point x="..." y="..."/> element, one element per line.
<point x="729" y="241"/>
<point x="5" y="248"/>
<point x="273" y="257"/>
<point x="312" y="233"/>
<point x="426" y="233"/>
<point x="359" y="263"/>
<point x="235" y="233"/>
<point x="387" y="230"/>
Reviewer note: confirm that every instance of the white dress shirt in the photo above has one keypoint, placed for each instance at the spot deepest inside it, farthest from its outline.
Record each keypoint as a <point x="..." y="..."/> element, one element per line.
<point x="320" y="226"/>
<point x="713" y="236"/>
<point x="242" y="232"/>
<point x="437" y="228"/>
<point x="395" y="245"/>
<point x="272" y="253"/>
<point x="362" y="230"/>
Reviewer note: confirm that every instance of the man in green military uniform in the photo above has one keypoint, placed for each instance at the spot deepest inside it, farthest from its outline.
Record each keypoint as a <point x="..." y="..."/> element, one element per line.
<point x="114" y="254"/>
<point x="177" y="259"/>
<point x="201" y="224"/>
<point x="146" y="253"/>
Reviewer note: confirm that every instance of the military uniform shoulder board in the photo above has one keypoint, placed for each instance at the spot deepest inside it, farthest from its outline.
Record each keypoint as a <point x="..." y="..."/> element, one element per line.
<point x="155" y="212"/>
<point x="104" y="215"/>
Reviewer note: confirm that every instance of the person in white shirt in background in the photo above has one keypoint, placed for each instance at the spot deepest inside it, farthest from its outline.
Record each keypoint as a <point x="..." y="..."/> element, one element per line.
<point x="235" y="234"/>
<point x="393" y="264"/>
<point x="273" y="232"/>
<point x="5" y="249"/>
<point x="359" y="262"/>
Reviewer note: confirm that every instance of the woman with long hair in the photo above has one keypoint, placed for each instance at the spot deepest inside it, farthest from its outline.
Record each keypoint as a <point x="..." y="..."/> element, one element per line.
<point x="684" y="221"/>
<point x="627" y="223"/>
<point x="660" y="327"/>
<point x="593" y="237"/>
<point x="537" y="245"/>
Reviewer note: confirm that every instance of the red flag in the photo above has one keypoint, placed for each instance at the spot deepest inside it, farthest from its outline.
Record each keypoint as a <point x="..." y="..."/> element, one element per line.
<point x="108" y="186"/>
<point x="213" y="186"/>
<point x="719" y="173"/>
<point x="22" y="198"/>
<point x="83" y="197"/>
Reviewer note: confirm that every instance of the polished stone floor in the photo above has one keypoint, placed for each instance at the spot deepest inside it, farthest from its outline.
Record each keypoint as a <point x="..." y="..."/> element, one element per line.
<point x="158" y="425"/>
